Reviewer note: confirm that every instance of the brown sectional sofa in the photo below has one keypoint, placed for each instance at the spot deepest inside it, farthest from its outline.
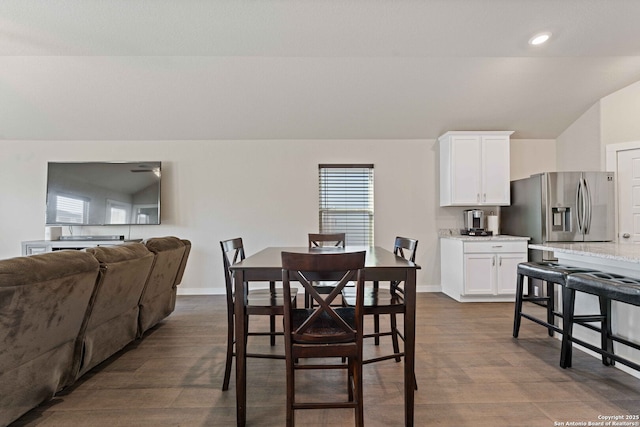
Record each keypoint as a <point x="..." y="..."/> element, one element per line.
<point x="62" y="313"/>
<point x="159" y="297"/>
<point x="113" y="321"/>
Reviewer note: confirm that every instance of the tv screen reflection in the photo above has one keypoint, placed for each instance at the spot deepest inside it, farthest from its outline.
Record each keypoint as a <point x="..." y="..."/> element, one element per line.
<point x="103" y="193"/>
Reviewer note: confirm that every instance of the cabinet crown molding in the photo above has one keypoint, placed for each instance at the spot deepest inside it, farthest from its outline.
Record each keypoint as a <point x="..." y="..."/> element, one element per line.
<point x="473" y="132"/>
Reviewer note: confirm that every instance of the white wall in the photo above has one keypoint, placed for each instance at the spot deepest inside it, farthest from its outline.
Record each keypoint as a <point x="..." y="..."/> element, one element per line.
<point x="612" y="120"/>
<point x="578" y="147"/>
<point x="621" y="115"/>
<point x="264" y="191"/>
<point x="529" y="156"/>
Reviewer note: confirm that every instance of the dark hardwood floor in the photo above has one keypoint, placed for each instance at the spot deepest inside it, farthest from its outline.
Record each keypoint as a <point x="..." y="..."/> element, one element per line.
<point x="470" y="372"/>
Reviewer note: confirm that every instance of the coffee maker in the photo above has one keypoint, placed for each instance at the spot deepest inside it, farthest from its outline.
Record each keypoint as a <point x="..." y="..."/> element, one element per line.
<point x="474" y="223"/>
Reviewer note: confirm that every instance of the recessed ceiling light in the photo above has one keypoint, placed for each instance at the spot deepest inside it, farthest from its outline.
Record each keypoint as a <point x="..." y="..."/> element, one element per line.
<point x="539" y="39"/>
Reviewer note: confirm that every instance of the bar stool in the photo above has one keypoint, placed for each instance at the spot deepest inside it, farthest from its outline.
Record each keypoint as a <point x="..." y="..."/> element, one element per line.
<point x="552" y="274"/>
<point x="607" y="287"/>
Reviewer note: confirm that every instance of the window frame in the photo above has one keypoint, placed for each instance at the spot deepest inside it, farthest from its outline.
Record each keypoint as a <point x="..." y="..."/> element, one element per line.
<point x="334" y="200"/>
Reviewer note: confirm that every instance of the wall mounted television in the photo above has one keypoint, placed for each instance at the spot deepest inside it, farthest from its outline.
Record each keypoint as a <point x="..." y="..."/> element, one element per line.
<point x="103" y="193"/>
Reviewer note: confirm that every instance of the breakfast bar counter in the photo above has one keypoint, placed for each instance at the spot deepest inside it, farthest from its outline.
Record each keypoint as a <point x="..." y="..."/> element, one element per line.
<point x="625" y="254"/>
<point x="610" y="257"/>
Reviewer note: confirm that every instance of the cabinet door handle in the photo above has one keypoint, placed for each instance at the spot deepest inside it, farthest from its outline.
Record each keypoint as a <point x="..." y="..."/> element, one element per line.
<point x="500" y="261"/>
<point x="478" y="197"/>
<point x="493" y="261"/>
<point x="484" y="197"/>
<point x="497" y="246"/>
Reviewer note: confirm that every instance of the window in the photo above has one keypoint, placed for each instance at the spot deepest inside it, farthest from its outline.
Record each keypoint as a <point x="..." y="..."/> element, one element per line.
<point x="71" y="210"/>
<point x="346" y="202"/>
<point x="117" y="212"/>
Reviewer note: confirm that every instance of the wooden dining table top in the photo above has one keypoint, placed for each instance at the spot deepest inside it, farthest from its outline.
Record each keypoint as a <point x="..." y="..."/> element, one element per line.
<point x="376" y="257"/>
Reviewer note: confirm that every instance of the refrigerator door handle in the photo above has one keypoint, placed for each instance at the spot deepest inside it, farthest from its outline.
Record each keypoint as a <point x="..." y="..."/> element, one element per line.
<point x="579" y="205"/>
<point x="587" y="200"/>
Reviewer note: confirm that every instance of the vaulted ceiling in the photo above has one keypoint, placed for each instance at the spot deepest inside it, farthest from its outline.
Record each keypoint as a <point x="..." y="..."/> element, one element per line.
<point x="307" y="69"/>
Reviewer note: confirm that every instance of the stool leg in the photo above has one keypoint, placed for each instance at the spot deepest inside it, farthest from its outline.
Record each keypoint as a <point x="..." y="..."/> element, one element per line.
<point x="606" y="342"/>
<point x="551" y="303"/>
<point x="518" y="306"/>
<point x="568" y="303"/>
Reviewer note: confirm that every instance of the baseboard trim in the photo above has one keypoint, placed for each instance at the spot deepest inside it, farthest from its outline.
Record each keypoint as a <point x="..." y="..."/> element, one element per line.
<point x="221" y="291"/>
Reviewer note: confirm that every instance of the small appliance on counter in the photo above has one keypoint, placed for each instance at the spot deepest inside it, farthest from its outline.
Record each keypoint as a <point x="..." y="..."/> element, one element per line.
<point x="474" y="223"/>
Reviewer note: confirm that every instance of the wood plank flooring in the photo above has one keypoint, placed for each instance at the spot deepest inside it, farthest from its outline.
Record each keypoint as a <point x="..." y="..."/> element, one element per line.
<point x="470" y="372"/>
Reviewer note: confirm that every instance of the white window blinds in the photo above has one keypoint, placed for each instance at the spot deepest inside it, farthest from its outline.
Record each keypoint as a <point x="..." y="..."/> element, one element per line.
<point x="346" y="201"/>
<point x="71" y="210"/>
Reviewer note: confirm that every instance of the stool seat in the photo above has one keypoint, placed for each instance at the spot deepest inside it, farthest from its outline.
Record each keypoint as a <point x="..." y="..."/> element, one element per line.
<point x="607" y="287"/>
<point x="552" y="273"/>
<point x="612" y="286"/>
<point x="549" y="271"/>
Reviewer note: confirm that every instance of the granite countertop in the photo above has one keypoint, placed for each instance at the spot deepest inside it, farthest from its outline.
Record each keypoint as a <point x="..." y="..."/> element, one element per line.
<point x="628" y="252"/>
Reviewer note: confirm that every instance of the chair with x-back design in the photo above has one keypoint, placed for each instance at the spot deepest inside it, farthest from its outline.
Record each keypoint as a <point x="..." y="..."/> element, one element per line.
<point x="266" y="302"/>
<point x="324" y="241"/>
<point x="324" y="331"/>
<point x="386" y="301"/>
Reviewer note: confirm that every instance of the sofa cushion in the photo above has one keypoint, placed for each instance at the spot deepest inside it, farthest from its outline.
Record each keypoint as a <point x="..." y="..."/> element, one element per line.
<point x="43" y="302"/>
<point x="158" y="298"/>
<point x="112" y="319"/>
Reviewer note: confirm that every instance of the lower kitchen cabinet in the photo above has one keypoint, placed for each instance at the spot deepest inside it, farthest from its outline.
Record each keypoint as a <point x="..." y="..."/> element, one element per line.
<point x="481" y="269"/>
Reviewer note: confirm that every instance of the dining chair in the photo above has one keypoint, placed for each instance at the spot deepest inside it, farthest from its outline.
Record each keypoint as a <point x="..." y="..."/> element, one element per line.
<point x="323" y="240"/>
<point x="328" y="241"/>
<point x="265" y="302"/>
<point x="324" y="331"/>
<point x="385" y="301"/>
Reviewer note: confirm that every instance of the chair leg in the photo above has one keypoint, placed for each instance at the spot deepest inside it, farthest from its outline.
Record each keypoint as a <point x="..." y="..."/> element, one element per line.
<point x="227" y="367"/>
<point x="272" y="329"/>
<point x="568" y="303"/>
<point x="394" y="335"/>
<point x="551" y="302"/>
<point x="291" y="384"/>
<point x="376" y="329"/>
<point x="376" y="318"/>
<point x="272" y="318"/>
<point x="518" y="305"/>
<point x="359" y="393"/>
<point x="350" y="379"/>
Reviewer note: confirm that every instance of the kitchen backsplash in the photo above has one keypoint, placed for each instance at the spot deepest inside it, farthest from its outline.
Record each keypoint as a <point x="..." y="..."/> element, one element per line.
<point x="445" y="232"/>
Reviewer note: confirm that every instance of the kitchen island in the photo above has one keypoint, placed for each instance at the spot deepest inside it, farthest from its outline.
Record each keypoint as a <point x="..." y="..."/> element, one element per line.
<point x="610" y="257"/>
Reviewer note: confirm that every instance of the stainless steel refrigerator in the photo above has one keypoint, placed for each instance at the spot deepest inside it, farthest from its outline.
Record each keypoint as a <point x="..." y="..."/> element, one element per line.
<point x="561" y="207"/>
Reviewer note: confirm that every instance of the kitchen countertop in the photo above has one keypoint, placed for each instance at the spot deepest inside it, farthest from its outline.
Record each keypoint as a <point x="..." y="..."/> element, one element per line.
<point x="499" y="237"/>
<point x="628" y="252"/>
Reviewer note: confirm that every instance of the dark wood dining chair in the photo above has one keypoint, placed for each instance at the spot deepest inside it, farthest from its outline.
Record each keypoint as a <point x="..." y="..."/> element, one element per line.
<point x="265" y="302"/>
<point x="386" y="301"/>
<point x="324" y="331"/>
<point x="321" y="241"/>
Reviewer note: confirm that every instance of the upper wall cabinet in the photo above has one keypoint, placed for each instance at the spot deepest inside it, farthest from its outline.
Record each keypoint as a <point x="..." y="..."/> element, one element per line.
<point x="474" y="168"/>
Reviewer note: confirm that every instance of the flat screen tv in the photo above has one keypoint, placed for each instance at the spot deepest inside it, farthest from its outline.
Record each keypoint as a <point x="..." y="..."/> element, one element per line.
<point x="103" y="193"/>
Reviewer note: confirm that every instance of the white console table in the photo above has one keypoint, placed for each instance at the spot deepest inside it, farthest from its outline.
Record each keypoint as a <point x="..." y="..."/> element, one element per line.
<point x="32" y="247"/>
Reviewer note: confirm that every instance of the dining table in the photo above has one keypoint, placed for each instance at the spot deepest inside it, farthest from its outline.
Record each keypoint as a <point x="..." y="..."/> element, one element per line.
<point x="380" y="265"/>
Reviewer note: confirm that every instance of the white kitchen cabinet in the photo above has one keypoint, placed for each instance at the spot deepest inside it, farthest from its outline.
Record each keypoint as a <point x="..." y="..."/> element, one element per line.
<point x="481" y="269"/>
<point x="474" y="168"/>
